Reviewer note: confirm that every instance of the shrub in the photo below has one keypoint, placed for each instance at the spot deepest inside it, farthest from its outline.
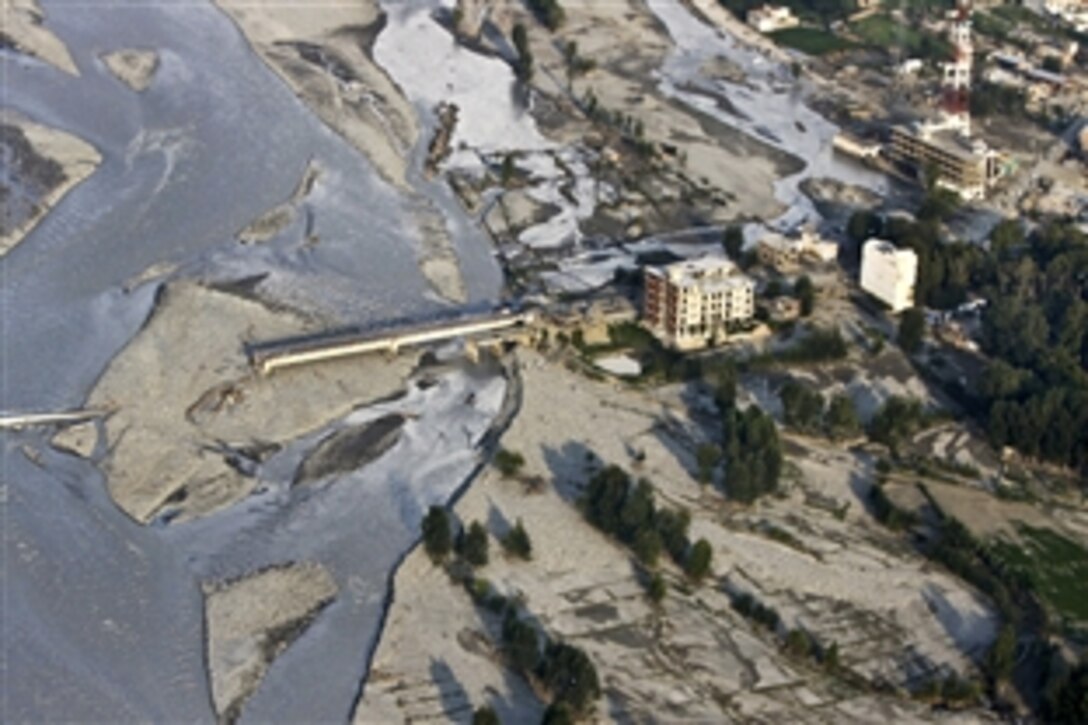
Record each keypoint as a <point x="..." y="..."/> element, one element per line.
<point x="475" y="544"/>
<point x="508" y="462"/>
<point x="437" y="539"/>
<point x="522" y="645"/>
<point x="570" y="675"/>
<point x="517" y="542"/>
<point x="656" y="589"/>
<point x="697" y="565"/>
<point x="485" y="715"/>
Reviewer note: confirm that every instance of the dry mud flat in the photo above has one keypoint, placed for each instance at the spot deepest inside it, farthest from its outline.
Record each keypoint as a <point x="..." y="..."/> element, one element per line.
<point x="190" y="413"/>
<point x="253" y="620"/>
<point x="22" y="28"/>
<point x="133" y="67"/>
<point x="841" y="577"/>
<point x="45" y="164"/>
<point x="323" y="54"/>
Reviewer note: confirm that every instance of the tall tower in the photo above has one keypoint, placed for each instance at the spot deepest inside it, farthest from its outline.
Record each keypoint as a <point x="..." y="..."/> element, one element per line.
<point x="956" y="73"/>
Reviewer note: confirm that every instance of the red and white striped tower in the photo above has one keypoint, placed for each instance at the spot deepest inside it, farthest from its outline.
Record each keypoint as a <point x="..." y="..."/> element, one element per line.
<point x="956" y="84"/>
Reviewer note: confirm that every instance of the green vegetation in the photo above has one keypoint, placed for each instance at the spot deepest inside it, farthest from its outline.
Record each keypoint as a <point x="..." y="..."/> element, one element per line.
<point x="656" y="588"/>
<point x="508" y="462"/>
<point x="1034" y="394"/>
<point x="548" y="12"/>
<point x="1053" y="566"/>
<point x="485" y="715"/>
<point x="820" y="345"/>
<point x="516" y="542"/>
<point x="437" y="538"/>
<point x="823" y="12"/>
<point x="912" y="330"/>
<point x="627" y="511"/>
<point x="841" y="420"/>
<point x="707" y="457"/>
<point x="753" y="454"/>
<point x="570" y="676"/>
<point x="523" y="66"/>
<point x="896" y="421"/>
<point x="1069" y="704"/>
<point x="697" y="565"/>
<point x="802" y="406"/>
<point x="888" y="513"/>
<point x="733" y="242"/>
<point x="474" y="545"/>
<point x="882" y="32"/>
<point x="811" y="41"/>
<point x="805" y="292"/>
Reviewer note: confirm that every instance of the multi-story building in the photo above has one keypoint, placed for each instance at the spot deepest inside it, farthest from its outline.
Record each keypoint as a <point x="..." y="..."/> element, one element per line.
<point x="785" y="254"/>
<point x="967" y="166"/>
<point x="697" y="303"/>
<point x="889" y="273"/>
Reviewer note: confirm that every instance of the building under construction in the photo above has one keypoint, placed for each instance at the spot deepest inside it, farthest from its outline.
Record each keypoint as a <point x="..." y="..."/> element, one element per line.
<point x="943" y="146"/>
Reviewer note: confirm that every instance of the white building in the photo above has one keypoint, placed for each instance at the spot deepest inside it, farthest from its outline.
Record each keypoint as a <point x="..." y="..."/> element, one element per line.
<point x="769" y="18"/>
<point x="697" y="303"/>
<point x="785" y="254"/>
<point x="889" y="273"/>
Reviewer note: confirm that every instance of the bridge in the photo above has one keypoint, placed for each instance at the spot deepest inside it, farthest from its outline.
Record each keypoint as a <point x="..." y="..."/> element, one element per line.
<point x="267" y="357"/>
<point x="18" y="421"/>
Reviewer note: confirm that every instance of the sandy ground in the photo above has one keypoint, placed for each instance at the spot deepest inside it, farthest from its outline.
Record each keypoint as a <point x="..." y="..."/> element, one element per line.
<point x="350" y="93"/>
<point x="133" y="67"/>
<point x="186" y="401"/>
<point x="253" y="620"/>
<point x="77" y="158"/>
<point x="695" y="659"/>
<point x="324" y="55"/>
<point x="21" y="25"/>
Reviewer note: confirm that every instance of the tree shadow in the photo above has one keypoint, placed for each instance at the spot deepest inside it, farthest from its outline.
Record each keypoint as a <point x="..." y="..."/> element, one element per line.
<point x="497" y="523"/>
<point x="960" y="627"/>
<point x="456" y="705"/>
<point x="570" y="466"/>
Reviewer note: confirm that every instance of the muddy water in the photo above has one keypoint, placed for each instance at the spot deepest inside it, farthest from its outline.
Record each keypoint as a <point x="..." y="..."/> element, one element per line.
<point x="102" y="618"/>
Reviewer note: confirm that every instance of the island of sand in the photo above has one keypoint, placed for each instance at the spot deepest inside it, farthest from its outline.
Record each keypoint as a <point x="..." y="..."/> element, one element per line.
<point x="44" y="165"/>
<point x="133" y="67"/>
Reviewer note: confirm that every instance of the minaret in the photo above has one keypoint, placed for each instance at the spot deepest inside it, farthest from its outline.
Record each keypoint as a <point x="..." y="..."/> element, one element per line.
<point x="956" y="83"/>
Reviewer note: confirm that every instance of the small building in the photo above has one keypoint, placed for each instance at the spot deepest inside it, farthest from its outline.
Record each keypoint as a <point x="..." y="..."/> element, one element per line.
<point x="784" y="309"/>
<point x="779" y="252"/>
<point x="694" y="304"/>
<point x="909" y="67"/>
<point x="785" y="254"/>
<point x="769" y="18"/>
<point x="889" y="273"/>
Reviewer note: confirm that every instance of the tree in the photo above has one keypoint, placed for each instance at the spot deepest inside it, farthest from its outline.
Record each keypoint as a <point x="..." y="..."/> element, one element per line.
<point x="802" y="406"/>
<point x="733" y="242"/>
<point x="570" y="675"/>
<point x="805" y="292"/>
<point x="1007" y="235"/>
<point x="798" y="643"/>
<point x="508" y="169"/>
<point x="509" y="463"/>
<point x="523" y="65"/>
<point x="558" y="713"/>
<point x="673" y="527"/>
<point x="707" y="456"/>
<point x="522" y="643"/>
<point x="862" y="225"/>
<point x="517" y="542"/>
<point x="485" y="715"/>
<point x="1002" y="655"/>
<point x="912" y="330"/>
<point x="656" y="589"/>
<point x="647" y="547"/>
<point x="437" y="539"/>
<point x="697" y="565"/>
<point x="1070" y="702"/>
<point x="474" y="547"/>
<point x="842" y="418"/>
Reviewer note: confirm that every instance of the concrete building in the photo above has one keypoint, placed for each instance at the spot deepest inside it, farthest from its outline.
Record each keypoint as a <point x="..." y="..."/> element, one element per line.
<point x="889" y="273"/>
<point x="785" y="254"/>
<point x="769" y="18"/>
<point x="966" y="166"/>
<point x="694" y="304"/>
